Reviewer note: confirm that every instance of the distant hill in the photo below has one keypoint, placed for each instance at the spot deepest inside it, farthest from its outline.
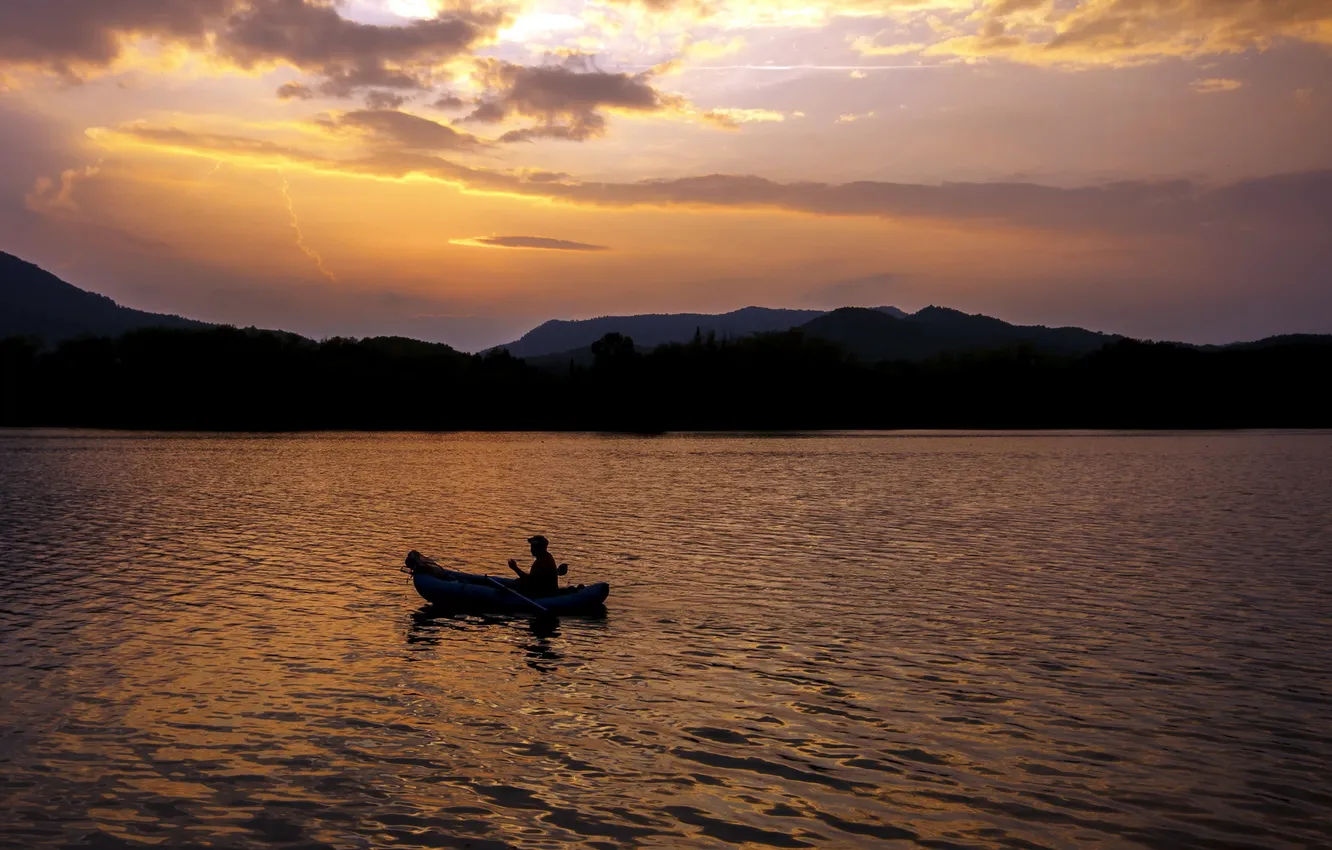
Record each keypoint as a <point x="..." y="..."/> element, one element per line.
<point x="873" y="335"/>
<point x="566" y="339"/>
<point x="34" y="302"/>
<point x="1274" y="341"/>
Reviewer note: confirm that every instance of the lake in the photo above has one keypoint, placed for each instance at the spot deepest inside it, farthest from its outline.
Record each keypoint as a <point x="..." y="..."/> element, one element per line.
<point x="816" y="640"/>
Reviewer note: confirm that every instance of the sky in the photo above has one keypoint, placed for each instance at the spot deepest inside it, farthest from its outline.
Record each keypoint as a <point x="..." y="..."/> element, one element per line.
<point x="460" y="172"/>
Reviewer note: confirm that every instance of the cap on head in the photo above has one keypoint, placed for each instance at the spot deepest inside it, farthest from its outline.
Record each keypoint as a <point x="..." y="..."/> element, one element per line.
<point x="539" y="540"/>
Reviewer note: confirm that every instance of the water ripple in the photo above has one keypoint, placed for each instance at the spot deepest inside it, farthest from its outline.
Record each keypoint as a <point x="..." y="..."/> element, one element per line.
<point x="950" y="640"/>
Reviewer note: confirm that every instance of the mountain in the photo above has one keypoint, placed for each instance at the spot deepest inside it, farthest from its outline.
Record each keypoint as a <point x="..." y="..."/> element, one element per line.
<point x="873" y="335"/>
<point x="566" y="338"/>
<point x="34" y="302"/>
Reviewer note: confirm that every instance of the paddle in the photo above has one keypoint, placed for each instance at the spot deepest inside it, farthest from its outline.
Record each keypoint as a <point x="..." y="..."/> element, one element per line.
<point x="502" y="586"/>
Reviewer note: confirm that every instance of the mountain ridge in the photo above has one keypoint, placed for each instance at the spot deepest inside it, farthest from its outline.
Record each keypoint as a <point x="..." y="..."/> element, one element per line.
<point x="37" y="303"/>
<point x="874" y="336"/>
<point x="649" y="330"/>
<point x="34" y="302"/>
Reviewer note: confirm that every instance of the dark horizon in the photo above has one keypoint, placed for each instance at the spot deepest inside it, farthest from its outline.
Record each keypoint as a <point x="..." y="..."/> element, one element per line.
<point x="227" y="379"/>
<point x="848" y="368"/>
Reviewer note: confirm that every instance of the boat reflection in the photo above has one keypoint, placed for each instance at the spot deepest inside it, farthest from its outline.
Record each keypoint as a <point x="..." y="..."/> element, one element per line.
<point x="538" y="638"/>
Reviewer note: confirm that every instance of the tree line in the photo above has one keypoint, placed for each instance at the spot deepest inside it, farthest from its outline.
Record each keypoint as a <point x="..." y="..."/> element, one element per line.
<point x="242" y="379"/>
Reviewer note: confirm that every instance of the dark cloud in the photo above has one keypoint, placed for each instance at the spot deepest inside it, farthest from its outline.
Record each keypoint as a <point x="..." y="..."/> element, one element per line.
<point x="314" y="35"/>
<point x="1295" y="208"/>
<point x="448" y="102"/>
<point x="69" y="36"/>
<point x="564" y="99"/>
<point x="404" y="130"/>
<point x="66" y="35"/>
<point x="349" y="55"/>
<point x="378" y="99"/>
<point x="488" y="112"/>
<point x="294" y="91"/>
<point x="579" y="128"/>
<point x="540" y="242"/>
<point x="346" y="80"/>
<point x="1296" y="205"/>
<point x="1121" y="207"/>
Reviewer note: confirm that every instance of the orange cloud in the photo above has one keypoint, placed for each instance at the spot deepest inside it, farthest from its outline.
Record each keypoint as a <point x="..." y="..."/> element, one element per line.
<point x="1294" y="203"/>
<point x="1214" y="85"/>
<point x="540" y="243"/>
<point x="731" y="119"/>
<point x="1132" y="32"/>
<point x="48" y="196"/>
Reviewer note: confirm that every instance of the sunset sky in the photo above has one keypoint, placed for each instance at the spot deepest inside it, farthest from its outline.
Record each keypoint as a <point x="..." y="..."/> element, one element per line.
<point x="461" y="172"/>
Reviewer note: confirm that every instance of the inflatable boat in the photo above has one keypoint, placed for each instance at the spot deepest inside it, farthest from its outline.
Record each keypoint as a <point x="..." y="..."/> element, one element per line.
<point x="469" y="591"/>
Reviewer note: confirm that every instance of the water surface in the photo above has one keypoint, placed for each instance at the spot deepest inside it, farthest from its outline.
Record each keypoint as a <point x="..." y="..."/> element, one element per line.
<point x="949" y="640"/>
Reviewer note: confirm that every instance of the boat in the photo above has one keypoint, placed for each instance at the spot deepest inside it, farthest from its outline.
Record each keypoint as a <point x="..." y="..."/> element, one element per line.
<point x="471" y="591"/>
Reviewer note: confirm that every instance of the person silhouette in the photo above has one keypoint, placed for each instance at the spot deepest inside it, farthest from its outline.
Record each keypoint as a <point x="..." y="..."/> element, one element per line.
<point x="543" y="577"/>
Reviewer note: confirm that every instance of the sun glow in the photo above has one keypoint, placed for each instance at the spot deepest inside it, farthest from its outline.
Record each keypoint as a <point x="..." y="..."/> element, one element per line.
<point x="537" y="24"/>
<point x="413" y="8"/>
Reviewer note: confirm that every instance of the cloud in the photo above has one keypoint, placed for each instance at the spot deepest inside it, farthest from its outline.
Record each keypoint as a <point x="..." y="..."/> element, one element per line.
<point x="402" y="130"/>
<point x="294" y="91"/>
<point x="565" y="99"/>
<point x="346" y="80"/>
<point x="384" y="100"/>
<point x="343" y="56"/>
<point x="242" y="149"/>
<point x="1214" y="85"/>
<point x="448" y="102"/>
<point x="731" y="119"/>
<point x="69" y="37"/>
<point x="78" y="38"/>
<point x="537" y="242"/>
<point x="349" y="54"/>
<point x="1054" y="33"/>
<point x="1131" y="32"/>
<point x="1290" y="204"/>
<point x="50" y="196"/>
<point x="580" y="129"/>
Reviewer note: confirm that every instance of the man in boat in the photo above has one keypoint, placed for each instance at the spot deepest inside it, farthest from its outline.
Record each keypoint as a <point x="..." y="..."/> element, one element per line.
<point x="543" y="577"/>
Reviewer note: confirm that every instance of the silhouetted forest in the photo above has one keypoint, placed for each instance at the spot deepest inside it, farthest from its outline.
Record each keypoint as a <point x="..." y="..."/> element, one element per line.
<point x="230" y="379"/>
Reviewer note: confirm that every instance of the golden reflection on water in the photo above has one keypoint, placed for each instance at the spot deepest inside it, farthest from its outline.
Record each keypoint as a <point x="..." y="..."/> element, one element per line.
<point x="832" y="641"/>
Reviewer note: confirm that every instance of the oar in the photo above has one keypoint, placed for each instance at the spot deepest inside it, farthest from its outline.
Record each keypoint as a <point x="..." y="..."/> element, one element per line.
<point x="502" y="586"/>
